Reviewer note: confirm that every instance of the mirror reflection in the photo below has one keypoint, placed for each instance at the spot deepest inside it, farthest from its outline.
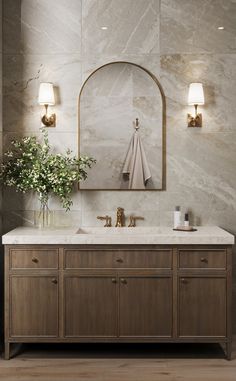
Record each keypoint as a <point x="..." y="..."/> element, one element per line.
<point x="121" y="122"/>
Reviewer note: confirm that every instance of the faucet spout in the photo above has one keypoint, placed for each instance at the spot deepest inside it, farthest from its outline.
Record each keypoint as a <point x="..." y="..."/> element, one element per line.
<point x="120" y="217"/>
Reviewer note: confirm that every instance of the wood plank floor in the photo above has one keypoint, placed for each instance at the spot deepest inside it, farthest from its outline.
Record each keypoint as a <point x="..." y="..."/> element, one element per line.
<point x="99" y="362"/>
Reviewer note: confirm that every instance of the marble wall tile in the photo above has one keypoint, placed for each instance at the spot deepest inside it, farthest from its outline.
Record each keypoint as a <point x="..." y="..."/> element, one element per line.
<point x="218" y="76"/>
<point x="11" y="26"/>
<point x="22" y="76"/>
<point x="190" y="26"/>
<point x="40" y="27"/>
<point x="144" y="204"/>
<point x="132" y="27"/>
<point x="148" y="61"/>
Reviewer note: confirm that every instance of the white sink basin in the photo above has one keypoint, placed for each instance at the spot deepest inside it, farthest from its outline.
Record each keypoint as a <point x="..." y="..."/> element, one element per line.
<point x="120" y="231"/>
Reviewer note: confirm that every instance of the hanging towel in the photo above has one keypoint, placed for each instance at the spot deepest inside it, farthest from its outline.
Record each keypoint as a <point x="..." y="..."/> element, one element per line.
<point x="136" y="165"/>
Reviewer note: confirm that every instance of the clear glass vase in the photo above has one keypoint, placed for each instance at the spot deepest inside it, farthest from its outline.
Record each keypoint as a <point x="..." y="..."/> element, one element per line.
<point x="43" y="216"/>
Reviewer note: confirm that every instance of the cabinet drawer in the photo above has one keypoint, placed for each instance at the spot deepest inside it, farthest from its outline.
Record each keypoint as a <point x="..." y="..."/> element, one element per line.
<point x="33" y="259"/>
<point x="202" y="259"/>
<point x="145" y="259"/>
<point x="118" y="259"/>
<point x="75" y="259"/>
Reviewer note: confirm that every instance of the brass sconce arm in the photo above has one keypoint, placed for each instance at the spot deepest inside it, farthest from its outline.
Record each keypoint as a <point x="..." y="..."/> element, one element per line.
<point x="195" y="121"/>
<point x="48" y="120"/>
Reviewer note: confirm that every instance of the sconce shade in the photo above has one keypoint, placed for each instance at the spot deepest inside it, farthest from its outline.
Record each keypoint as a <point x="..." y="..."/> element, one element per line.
<point x="46" y="94"/>
<point x="196" y="94"/>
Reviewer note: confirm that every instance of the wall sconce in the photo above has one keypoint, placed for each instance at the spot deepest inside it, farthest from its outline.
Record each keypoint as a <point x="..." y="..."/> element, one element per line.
<point x="195" y="98"/>
<point x="46" y="98"/>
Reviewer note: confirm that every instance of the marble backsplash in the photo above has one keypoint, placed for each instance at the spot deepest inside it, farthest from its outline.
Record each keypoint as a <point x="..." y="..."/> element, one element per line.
<point x="179" y="42"/>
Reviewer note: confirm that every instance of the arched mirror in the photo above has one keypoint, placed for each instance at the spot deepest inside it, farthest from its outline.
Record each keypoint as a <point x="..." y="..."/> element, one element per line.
<point x="122" y="126"/>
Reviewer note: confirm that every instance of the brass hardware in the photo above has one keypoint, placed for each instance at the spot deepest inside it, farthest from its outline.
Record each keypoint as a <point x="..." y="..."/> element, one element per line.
<point x="124" y="281"/>
<point x="132" y="221"/>
<point x="120" y="260"/>
<point x="120" y="217"/>
<point x="205" y="260"/>
<point x="48" y="120"/>
<point x="113" y="280"/>
<point x="35" y="260"/>
<point x="54" y="281"/>
<point x="107" y="219"/>
<point x="136" y="124"/>
<point x="195" y="121"/>
<point x="163" y="97"/>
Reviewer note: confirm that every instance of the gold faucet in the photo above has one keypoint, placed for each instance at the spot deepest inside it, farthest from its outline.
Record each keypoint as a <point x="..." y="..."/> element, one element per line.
<point x="107" y="219"/>
<point x="120" y="217"/>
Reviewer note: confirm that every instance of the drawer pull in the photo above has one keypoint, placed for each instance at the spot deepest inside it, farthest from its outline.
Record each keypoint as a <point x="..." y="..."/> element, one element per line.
<point x="119" y="260"/>
<point x="184" y="281"/>
<point x="204" y="260"/>
<point x="54" y="281"/>
<point x="35" y="260"/>
<point x="113" y="280"/>
<point x="124" y="281"/>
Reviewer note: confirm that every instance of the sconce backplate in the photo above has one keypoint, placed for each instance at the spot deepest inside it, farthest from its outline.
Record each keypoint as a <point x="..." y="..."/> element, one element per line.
<point x="195" y="121"/>
<point x="49" y="120"/>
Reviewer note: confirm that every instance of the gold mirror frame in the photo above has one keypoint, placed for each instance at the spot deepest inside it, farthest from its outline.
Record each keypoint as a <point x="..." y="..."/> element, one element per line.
<point x="154" y="78"/>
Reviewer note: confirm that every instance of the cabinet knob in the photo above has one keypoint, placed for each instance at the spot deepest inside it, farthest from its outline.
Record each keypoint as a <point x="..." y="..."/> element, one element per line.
<point x="113" y="280"/>
<point x="54" y="280"/>
<point x="120" y="260"/>
<point x="204" y="260"/>
<point x="35" y="260"/>
<point x="184" y="281"/>
<point x="124" y="281"/>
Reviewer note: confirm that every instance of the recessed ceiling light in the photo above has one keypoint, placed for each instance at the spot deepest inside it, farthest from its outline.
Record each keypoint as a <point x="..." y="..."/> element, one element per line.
<point x="104" y="28"/>
<point x="221" y="27"/>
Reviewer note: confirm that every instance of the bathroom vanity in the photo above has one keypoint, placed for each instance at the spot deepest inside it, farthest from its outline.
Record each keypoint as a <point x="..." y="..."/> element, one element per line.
<point x="118" y="285"/>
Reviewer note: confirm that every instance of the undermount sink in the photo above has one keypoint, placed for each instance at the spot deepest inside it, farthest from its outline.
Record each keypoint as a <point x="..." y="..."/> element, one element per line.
<point x="124" y="230"/>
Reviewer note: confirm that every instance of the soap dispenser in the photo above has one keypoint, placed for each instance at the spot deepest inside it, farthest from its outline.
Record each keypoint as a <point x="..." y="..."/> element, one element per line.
<point x="177" y="217"/>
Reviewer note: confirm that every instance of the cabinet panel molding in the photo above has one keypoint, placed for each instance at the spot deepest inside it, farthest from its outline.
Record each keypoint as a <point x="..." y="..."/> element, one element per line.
<point x="33" y="306"/>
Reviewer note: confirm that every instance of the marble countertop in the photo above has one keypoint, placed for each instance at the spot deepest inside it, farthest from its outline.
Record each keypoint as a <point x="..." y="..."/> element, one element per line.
<point x="205" y="235"/>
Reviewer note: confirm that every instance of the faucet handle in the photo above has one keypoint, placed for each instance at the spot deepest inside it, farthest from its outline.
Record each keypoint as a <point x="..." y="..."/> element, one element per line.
<point x="132" y="220"/>
<point x="107" y="219"/>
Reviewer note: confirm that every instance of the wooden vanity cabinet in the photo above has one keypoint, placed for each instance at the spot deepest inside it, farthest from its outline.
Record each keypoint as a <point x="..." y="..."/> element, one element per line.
<point x="117" y="294"/>
<point x="90" y="305"/>
<point x="145" y="306"/>
<point x="202" y="306"/>
<point x="33" y="306"/>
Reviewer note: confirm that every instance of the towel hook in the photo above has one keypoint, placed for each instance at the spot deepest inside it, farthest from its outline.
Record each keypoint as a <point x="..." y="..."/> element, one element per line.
<point x="136" y="124"/>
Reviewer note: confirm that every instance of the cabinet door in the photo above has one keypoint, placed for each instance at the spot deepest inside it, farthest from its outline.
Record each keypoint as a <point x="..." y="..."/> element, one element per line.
<point x="202" y="306"/>
<point x="90" y="306"/>
<point x="145" y="306"/>
<point x="33" y="306"/>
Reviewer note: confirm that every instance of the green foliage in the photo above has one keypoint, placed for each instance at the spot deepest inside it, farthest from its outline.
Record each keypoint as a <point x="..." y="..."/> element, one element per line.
<point x="30" y="165"/>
